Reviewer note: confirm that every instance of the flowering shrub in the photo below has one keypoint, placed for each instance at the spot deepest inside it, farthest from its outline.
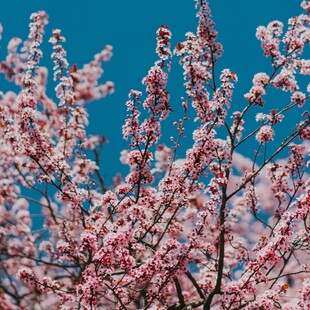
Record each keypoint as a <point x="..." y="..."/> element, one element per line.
<point x="212" y="230"/>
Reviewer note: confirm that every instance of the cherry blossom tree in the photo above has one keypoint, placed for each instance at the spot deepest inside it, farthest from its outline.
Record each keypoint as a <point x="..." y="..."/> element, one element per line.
<point x="214" y="229"/>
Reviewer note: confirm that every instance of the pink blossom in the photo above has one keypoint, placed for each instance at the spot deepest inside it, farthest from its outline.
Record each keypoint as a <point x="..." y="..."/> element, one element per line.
<point x="285" y="81"/>
<point x="305" y="5"/>
<point x="303" y="65"/>
<point x="299" y="98"/>
<point x="254" y="95"/>
<point x="261" y="79"/>
<point x="305" y="294"/>
<point x="268" y="37"/>
<point x="265" y="134"/>
<point x="28" y="276"/>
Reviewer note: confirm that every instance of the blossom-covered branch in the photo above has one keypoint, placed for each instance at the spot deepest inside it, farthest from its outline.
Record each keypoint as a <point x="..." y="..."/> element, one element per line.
<point x="212" y="230"/>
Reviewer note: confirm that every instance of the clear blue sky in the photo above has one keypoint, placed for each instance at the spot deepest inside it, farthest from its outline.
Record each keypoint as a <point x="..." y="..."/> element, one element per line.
<point x="130" y="26"/>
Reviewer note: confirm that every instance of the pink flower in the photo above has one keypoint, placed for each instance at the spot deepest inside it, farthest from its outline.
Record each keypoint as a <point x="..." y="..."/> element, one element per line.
<point x="88" y="243"/>
<point x="254" y="95"/>
<point x="305" y="5"/>
<point x="28" y="276"/>
<point x="299" y="98"/>
<point x="285" y="81"/>
<point x="265" y="134"/>
<point x="260" y="79"/>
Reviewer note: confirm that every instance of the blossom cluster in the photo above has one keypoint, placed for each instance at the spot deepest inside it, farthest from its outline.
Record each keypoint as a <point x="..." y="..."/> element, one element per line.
<point x="213" y="229"/>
